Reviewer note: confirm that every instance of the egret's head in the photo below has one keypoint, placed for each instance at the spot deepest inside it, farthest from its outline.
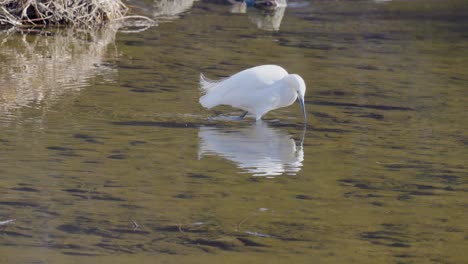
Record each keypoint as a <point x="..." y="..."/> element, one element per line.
<point x="297" y="83"/>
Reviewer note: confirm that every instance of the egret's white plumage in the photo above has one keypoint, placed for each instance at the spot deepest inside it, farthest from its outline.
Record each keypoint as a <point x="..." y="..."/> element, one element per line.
<point x="257" y="90"/>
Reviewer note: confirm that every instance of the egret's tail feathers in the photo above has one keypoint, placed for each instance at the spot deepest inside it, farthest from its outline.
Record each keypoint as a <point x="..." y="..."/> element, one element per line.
<point x="206" y="85"/>
<point x="212" y="91"/>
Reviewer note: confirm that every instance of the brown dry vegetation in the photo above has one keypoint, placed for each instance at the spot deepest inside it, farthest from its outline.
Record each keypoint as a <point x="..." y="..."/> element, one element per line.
<point x="87" y="13"/>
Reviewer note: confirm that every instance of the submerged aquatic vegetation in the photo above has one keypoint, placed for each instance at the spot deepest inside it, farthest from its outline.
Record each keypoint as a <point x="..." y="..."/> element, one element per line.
<point x="83" y="13"/>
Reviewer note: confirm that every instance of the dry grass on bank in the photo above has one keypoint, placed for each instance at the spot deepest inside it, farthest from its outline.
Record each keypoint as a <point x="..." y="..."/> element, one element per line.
<point x="83" y="13"/>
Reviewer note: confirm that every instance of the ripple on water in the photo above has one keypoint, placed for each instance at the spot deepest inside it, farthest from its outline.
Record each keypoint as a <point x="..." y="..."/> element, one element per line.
<point x="120" y="160"/>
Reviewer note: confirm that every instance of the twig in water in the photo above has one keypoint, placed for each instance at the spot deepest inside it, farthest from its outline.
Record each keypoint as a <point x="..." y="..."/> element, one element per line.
<point x="135" y="225"/>
<point x="243" y="220"/>
<point x="3" y="224"/>
<point x="249" y="216"/>
<point x="180" y="229"/>
<point x="253" y="233"/>
<point x="6" y="222"/>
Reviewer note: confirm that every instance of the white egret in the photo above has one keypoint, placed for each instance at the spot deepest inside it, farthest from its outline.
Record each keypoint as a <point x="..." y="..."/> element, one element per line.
<point x="257" y="90"/>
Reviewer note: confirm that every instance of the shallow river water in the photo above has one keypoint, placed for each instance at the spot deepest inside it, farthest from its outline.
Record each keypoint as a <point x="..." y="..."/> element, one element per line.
<point x="106" y="154"/>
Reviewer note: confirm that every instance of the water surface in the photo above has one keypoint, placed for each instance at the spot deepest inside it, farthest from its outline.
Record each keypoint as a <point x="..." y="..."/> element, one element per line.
<point x="106" y="155"/>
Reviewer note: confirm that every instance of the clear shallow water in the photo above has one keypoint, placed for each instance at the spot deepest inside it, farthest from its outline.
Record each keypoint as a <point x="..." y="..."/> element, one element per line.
<point x="106" y="155"/>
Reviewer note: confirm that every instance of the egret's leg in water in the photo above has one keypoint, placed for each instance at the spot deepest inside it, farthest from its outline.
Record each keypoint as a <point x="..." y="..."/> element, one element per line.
<point x="243" y="115"/>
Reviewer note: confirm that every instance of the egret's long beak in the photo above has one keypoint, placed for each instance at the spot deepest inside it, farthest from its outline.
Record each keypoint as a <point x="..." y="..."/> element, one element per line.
<point x="301" y="102"/>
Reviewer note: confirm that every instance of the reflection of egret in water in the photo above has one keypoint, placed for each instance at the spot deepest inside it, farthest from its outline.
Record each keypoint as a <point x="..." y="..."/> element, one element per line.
<point x="38" y="69"/>
<point x="269" y="20"/>
<point x="259" y="149"/>
<point x="267" y="16"/>
<point x="238" y="7"/>
<point x="170" y="9"/>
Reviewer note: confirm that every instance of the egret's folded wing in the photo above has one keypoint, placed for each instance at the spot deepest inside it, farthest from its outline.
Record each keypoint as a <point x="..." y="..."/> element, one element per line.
<point x="240" y="88"/>
<point x="259" y="77"/>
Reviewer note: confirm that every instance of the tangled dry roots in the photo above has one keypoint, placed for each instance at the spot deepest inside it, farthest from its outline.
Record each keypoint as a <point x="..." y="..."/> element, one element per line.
<point x="87" y="13"/>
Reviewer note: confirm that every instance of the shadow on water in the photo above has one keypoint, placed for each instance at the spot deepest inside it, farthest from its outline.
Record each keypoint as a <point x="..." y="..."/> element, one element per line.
<point x="379" y="107"/>
<point x="157" y="124"/>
